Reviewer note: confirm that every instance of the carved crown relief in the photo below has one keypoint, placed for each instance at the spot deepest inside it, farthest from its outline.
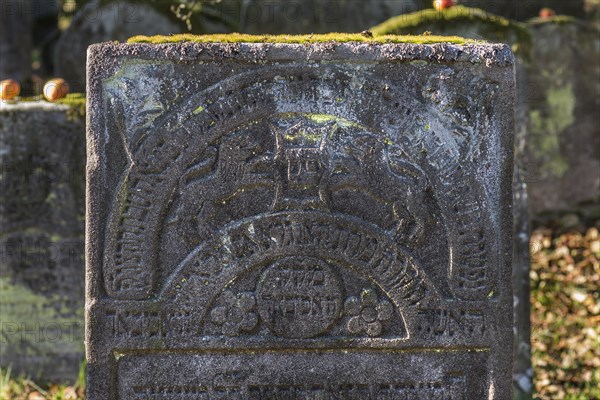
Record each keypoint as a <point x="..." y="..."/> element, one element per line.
<point x="308" y="166"/>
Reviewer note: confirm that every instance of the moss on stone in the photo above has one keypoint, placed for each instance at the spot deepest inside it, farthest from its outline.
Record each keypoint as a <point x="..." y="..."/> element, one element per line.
<point x="300" y="39"/>
<point x="75" y="101"/>
<point x="455" y="19"/>
<point x="34" y="323"/>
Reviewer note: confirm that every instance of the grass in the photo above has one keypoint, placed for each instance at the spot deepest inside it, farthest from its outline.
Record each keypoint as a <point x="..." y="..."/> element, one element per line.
<point x="300" y="39"/>
<point x="23" y="388"/>
<point x="565" y="304"/>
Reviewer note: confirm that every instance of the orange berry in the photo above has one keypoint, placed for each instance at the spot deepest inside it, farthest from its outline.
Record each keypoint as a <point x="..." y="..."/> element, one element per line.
<point x="9" y="89"/>
<point x="547" y="12"/>
<point x="56" y="89"/>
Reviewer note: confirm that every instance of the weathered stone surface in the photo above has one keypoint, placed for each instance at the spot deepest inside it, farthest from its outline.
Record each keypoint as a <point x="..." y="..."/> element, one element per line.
<point x="285" y="220"/>
<point x="557" y="157"/>
<point x="559" y="85"/>
<point x="42" y="165"/>
<point x="522" y="368"/>
<point x="477" y="23"/>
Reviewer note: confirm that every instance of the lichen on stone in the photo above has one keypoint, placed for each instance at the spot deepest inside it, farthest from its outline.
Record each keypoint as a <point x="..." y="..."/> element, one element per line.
<point x="29" y="317"/>
<point x="547" y="126"/>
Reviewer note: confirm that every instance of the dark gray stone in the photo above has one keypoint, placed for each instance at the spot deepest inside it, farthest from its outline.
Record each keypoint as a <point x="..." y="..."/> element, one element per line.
<point x="285" y="221"/>
<point x="557" y="147"/>
<point x="42" y="161"/>
<point x="475" y="24"/>
<point x="522" y="368"/>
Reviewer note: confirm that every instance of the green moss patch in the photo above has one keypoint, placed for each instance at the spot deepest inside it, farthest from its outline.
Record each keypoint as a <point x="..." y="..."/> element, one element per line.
<point x="75" y="101"/>
<point x="35" y="323"/>
<point x="300" y="39"/>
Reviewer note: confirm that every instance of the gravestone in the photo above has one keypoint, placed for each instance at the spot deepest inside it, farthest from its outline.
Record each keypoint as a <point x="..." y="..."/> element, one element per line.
<point x="522" y="368"/>
<point x="42" y="166"/>
<point x="281" y="220"/>
<point x="563" y="149"/>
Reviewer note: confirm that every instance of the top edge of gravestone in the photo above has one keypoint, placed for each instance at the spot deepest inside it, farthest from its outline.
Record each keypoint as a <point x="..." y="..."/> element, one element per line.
<point x="347" y="47"/>
<point x="41" y="105"/>
<point x="364" y="37"/>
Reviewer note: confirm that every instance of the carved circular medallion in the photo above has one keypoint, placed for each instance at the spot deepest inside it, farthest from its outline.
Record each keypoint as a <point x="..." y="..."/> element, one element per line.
<point x="299" y="297"/>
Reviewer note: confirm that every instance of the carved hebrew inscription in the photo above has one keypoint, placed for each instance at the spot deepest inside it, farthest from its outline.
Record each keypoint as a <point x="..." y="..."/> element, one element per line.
<point x="299" y="297"/>
<point x="269" y="376"/>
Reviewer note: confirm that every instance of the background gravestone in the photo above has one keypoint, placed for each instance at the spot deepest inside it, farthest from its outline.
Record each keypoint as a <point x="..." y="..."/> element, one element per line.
<point x="42" y="165"/>
<point x="564" y="124"/>
<point x="522" y="367"/>
<point x="287" y="220"/>
<point x="98" y="22"/>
